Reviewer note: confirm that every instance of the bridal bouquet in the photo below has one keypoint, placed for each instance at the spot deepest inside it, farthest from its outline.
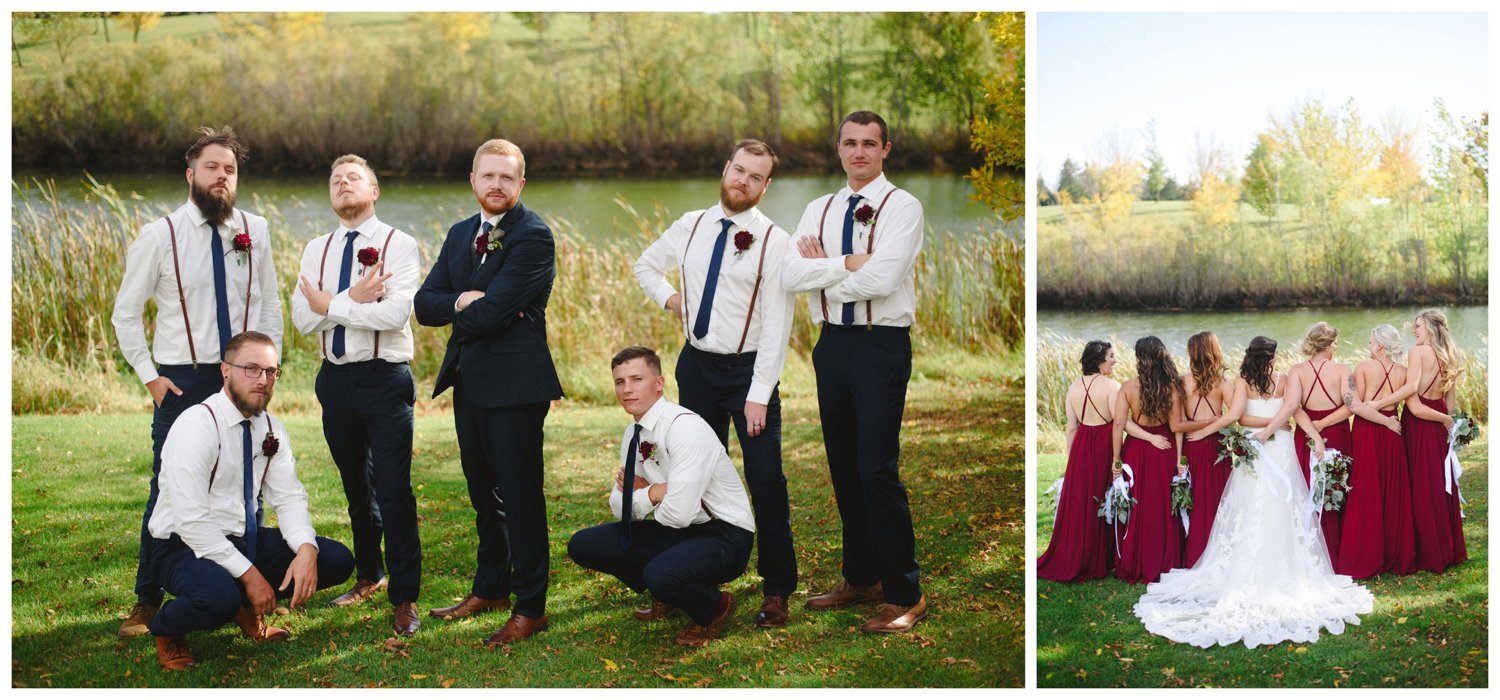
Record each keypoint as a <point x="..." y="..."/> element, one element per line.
<point x="1182" y="494"/>
<point x="1117" y="502"/>
<point x="1464" y="431"/>
<point x="1330" y="480"/>
<point x="1238" y="448"/>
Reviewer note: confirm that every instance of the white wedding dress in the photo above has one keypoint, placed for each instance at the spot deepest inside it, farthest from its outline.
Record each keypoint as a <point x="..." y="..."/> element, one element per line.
<point x="1265" y="575"/>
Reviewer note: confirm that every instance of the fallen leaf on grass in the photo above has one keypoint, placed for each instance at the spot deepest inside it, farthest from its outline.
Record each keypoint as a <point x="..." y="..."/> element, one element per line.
<point x="418" y="676"/>
<point x="610" y="665"/>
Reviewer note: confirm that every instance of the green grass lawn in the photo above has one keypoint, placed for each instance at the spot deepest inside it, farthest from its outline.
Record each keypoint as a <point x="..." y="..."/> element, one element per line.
<point x="1426" y="630"/>
<point x="78" y="483"/>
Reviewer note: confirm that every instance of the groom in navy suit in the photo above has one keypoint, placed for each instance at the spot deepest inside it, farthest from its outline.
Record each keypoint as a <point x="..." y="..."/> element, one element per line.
<point x="491" y="281"/>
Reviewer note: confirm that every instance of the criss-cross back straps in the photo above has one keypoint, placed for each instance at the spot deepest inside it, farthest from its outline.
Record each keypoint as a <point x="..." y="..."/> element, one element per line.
<point x="1385" y="382"/>
<point x="1435" y="376"/>
<point x="1318" y="380"/>
<point x="1198" y="404"/>
<point x="1088" y="384"/>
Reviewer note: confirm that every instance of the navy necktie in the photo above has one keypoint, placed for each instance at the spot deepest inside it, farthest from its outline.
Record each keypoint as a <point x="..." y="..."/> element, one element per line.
<point x="346" y="270"/>
<point x="627" y="512"/>
<point x="848" y="317"/>
<point x="221" y="288"/>
<point x="706" y="306"/>
<point x="251" y="526"/>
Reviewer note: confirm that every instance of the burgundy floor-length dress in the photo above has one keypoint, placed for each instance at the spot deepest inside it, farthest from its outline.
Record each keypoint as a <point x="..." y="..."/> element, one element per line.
<point x="1210" y="475"/>
<point x="1151" y="541"/>
<point x="1377" y="517"/>
<point x="1437" y="527"/>
<point x="1082" y="545"/>
<point x="1335" y="437"/>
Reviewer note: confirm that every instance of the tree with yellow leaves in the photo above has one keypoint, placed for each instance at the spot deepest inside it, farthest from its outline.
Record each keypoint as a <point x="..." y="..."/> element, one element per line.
<point x="999" y="130"/>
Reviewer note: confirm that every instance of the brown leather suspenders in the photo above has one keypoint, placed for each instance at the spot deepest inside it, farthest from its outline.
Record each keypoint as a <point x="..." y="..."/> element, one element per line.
<point x="682" y="274"/>
<point x="182" y="300"/>
<point x="869" y="249"/>
<point x="755" y="291"/>
<point x="323" y="264"/>
<point x="215" y="471"/>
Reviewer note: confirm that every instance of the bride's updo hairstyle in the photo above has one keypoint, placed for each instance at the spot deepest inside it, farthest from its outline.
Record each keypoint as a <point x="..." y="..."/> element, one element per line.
<point x="1206" y="361"/>
<point x="1441" y="342"/>
<point x="1255" y="369"/>
<point x="1159" y="378"/>
<point x="1094" y="353"/>
<point x="1319" y="336"/>
<point x="1388" y="338"/>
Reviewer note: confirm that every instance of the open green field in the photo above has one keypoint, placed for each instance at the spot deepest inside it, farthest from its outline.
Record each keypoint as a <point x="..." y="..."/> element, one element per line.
<point x="1426" y="630"/>
<point x="78" y="483"/>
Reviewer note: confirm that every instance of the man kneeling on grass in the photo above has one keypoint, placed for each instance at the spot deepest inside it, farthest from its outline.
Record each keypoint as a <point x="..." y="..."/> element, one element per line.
<point x="210" y="552"/>
<point x="677" y="471"/>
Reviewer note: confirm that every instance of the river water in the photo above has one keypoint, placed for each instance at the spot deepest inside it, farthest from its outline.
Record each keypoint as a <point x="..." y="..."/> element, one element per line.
<point x="1469" y="325"/>
<point x="426" y="206"/>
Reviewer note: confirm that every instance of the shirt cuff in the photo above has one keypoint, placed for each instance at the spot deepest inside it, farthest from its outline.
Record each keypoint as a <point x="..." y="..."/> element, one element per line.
<point x="760" y="392"/>
<point x="147" y="373"/>
<point x="236" y="564"/>
<point x="339" y="308"/>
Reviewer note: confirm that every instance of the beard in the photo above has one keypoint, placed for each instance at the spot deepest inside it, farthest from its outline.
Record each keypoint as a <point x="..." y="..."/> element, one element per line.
<point x="352" y="210"/>
<point x="484" y="205"/>
<point x="734" y="202"/>
<point x="249" y="403"/>
<point x="216" y="209"/>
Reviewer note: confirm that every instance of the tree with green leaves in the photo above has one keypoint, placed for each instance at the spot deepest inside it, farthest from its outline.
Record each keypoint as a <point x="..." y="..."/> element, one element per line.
<point x="138" y="21"/>
<point x="999" y="129"/>
<point x="1072" y="180"/>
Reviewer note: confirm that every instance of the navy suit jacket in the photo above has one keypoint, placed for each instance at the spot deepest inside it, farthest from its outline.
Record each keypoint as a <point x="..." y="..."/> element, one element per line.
<point x="499" y="341"/>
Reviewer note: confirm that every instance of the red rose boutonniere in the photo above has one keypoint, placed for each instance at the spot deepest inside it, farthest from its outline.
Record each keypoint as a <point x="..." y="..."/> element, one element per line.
<point x="241" y="244"/>
<point x="270" y="445"/>
<point x="369" y="256"/>
<point x="489" y="242"/>
<point x="742" y="242"/>
<point x="648" y="450"/>
<point x="865" y="217"/>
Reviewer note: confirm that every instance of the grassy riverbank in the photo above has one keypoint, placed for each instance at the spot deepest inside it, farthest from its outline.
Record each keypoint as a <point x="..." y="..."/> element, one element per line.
<point x="78" y="483"/>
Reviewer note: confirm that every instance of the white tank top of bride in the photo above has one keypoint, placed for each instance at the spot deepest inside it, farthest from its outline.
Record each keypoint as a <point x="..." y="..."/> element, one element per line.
<point x="1265" y="575"/>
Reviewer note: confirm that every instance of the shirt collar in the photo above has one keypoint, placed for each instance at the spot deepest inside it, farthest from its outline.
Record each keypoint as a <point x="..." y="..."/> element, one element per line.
<point x="743" y="220"/>
<point x="870" y="192"/>
<point x="224" y="411"/>
<point x="654" y="415"/>
<point x="366" y="228"/>
<point x="200" y="219"/>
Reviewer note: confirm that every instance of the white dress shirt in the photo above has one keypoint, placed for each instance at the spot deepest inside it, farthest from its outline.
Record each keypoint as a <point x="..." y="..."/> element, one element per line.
<point x="150" y="274"/>
<point x="689" y="458"/>
<point x="390" y="316"/>
<point x="771" y="320"/>
<point x="887" y="279"/>
<point x="203" y="514"/>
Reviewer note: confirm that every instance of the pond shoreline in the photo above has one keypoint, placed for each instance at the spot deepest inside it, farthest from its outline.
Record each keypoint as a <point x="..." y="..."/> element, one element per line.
<point x="1276" y="301"/>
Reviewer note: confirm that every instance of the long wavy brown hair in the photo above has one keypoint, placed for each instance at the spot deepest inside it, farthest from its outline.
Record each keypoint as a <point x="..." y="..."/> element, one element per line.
<point x="1256" y="368"/>
<point x="1206" y="361"/>
<point x="1159" y="378"/>
<point x="1441" y="342"/>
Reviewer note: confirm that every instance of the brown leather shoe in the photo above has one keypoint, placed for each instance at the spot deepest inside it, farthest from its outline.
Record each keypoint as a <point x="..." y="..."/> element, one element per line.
<point x="846" y="595"/>
<point x="172" y="654"/>
<point x="696" y="635"/>
<point x="518" y="627"/>
<point x="772" y="612"/>
<point x="255" y="626"/>
<point x="138" y="622"/>
<point x="405" y="621"/>
<point x="895" y="619"/>
<point x="657" y="611"/>
<point x="470" y="605"/>
<point x="363" y="590"/>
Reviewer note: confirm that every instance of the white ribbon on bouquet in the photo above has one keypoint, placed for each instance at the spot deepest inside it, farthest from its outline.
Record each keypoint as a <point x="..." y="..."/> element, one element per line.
<point x="1120" y="485"/>
<point x="1056" y="504"/>
<point x="1278" y="473"/>
<point x="1451" y="467"/>
<point x="1183" y="514"/>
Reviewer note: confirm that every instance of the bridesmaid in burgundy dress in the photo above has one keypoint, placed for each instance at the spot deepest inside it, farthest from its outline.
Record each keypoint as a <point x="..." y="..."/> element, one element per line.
<point x="1323" y="417"/>
<point x="1204" y="394"/>
<point x="1082" y="545"/>
<point x="1434" y="366"/>
<point x="1377" y="516"/>
<point x="1151" y="541"/>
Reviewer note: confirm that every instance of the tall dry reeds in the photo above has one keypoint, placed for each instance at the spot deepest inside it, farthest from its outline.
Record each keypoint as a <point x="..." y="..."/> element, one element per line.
<point x="69" y="259"/>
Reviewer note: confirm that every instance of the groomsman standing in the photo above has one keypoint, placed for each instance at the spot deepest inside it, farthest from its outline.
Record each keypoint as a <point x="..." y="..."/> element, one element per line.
<point x="857" y="248"/>
<point x="737" y="318"/>
<point x="491" y="282"/>
<point x="357" y="297"/>
<point x="209" y="268"/>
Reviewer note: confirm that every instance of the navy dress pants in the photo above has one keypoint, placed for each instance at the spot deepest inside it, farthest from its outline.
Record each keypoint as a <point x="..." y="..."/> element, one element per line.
<point x="367" y="421"/>
<point x="862" y="373"/>
<point x="196" y="384"/>
<point x="680" y="566"/>
<point x="714" y="386"/>
<point x="205" y="596"/>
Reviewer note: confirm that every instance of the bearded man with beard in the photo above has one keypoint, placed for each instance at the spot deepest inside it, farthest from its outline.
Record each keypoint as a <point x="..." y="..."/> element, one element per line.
<point x="492" y="281"/>
<point x="211" y="553"/>
<point x="208" y="266"/>
<point x="737" y="319"/>
<point x="355" y="294"/>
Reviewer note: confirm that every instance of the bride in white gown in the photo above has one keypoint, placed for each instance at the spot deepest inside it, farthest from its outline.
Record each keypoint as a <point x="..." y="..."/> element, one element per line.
<point x="1265" y="576"/>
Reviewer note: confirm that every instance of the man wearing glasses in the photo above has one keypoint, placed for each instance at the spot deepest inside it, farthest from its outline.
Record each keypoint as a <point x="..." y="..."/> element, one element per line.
<point x="209" y="550"/>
